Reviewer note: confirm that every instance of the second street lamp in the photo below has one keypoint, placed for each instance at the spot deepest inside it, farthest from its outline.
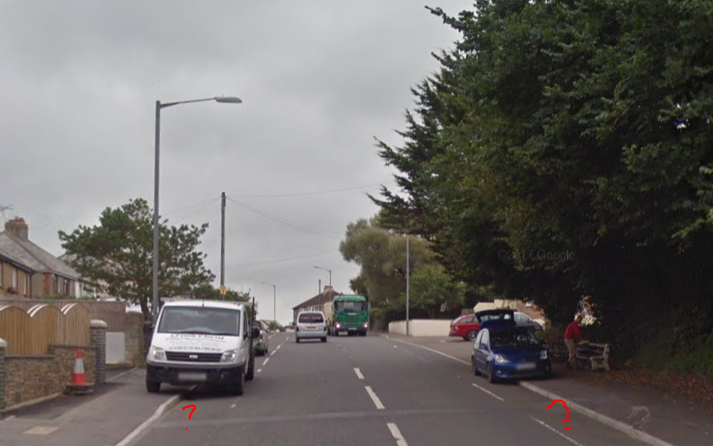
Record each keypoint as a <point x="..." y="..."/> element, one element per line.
<point x="330" y="273"/>
<point x="157" y="141"/>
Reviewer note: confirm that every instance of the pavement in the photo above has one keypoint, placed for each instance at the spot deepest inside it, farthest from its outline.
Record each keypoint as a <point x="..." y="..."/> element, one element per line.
<point x="104" y="418"/>
<point x="357" y="391"/>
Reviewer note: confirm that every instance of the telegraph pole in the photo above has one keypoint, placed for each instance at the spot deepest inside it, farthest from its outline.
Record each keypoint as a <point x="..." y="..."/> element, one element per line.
<point x="222" y="245"/>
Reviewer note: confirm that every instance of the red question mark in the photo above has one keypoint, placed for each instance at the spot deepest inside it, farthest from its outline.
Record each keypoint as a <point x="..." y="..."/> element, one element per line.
<point x="553" y="403"/>
<point x="194" y="408"/>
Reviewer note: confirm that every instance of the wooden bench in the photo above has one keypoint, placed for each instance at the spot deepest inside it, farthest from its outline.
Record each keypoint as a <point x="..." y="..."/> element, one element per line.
<point x="596" y="355"/>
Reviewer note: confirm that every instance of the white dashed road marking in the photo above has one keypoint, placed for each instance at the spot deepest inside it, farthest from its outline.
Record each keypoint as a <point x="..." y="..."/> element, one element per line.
<point x="264" y="363"/>
<point x="396" y="433"/>
<point x="358" y="373"/>
<point x="487" y="391"/>
<point x="557" y="432"/>
<point x="259" y="370"/>
<point x="374" y="398"/>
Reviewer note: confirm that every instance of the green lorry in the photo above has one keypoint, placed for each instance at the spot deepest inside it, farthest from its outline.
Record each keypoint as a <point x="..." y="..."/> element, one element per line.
<point x="347" y="314"/>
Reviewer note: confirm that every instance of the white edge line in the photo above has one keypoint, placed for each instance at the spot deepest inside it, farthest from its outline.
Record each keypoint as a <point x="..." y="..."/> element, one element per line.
<point x="396" y="433"/>
<point x="358" y="373"/>
<point x="614" y="424"/>
<point x="121" y="374"/>
<point x="374" y="398"/>
<point x="557" y="432"/>
<point x="488" y="392"/>
<point x="145" y="424"/>
<point x="7" y="419"/>
<point x="430" y="350"/>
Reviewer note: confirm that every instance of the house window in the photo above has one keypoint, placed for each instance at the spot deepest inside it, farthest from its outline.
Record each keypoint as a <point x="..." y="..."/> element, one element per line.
<point x="27" y="284"/>
<point x="2" y="274"/>
<point x="14" y="278"/>
<point x="55" y="285"/>
<point x="66" y="287"/>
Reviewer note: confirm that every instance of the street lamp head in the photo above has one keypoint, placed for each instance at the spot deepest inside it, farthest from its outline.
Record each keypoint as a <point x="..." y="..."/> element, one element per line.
<point x="228" y="100"/>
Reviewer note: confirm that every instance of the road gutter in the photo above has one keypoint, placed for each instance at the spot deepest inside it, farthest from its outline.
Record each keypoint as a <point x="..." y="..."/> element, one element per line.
<point x="167" y="405"/>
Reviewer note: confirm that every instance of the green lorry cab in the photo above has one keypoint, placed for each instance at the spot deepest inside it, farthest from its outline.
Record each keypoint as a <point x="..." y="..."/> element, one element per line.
<point x="347" y="314"/>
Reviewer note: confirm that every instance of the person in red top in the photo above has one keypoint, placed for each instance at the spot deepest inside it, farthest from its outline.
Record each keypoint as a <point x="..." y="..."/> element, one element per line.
<point x="572" y="337"/>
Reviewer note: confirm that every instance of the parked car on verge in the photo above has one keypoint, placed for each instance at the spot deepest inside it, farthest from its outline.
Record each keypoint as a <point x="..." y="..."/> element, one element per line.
<point x="504" y="350"/>
<point x="201" y="341"/>
<point x="467" y="326"/>
<point x="311" y="325"/>
<point x="260" y="344"/>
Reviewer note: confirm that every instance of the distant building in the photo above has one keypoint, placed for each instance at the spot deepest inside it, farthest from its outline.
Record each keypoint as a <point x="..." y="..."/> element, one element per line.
<point x="26" y="270"/>
<point x="315" y="303"/>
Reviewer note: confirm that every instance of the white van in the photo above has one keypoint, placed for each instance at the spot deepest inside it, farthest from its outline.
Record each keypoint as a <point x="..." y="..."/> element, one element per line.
<point x="201" y="341"/>
<point x="311" y="325"/>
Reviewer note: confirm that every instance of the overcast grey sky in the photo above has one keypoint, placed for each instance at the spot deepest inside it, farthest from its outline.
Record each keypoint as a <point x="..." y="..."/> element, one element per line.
<point x="319" y="80"/>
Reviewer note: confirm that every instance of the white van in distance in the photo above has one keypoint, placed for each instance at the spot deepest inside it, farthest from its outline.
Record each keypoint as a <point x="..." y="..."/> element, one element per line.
<point x="201" y="341"/>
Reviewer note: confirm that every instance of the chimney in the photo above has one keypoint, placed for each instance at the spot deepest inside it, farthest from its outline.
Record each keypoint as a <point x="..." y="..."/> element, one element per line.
<point x="17" y="228"/>
<point x="328" y="289"/>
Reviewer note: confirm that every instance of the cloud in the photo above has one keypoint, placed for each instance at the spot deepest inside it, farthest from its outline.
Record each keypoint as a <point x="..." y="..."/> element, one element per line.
<point x="319" y="81"/>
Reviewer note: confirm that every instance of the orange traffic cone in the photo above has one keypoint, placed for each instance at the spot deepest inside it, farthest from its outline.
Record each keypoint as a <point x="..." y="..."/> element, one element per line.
<point x="79" y="385"/>
<point x="79" y="378"/>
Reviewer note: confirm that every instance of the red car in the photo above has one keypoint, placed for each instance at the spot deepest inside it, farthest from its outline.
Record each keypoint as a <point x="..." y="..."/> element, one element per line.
<point x="468" y="325"/>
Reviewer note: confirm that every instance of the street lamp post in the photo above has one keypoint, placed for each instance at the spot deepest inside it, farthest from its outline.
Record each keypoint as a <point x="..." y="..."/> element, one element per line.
<point x="157" y="140"/>
<point x="274" y="300"/>
<point x="408" y="288"/>
<point x="330" y="274"/>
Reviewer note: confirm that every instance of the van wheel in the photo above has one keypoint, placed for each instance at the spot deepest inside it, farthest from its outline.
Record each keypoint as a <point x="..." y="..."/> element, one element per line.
<point x="153" y="386"/>
<point x="239" y="386"/>
<point x="297" y="340"/>
<point x="251" y="369"/>
<point x="324" y="339"/>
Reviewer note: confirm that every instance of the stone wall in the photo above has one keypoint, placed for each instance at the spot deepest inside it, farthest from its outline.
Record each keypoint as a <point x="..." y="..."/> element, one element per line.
<point x="29" y="378"/>
<point x="25" y="378"/>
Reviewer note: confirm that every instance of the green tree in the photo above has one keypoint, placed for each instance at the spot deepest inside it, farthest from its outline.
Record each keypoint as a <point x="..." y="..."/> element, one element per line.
<point x="209" y="292"/>
<point x="381" y="253"/>
<point x="432" y="288"/>
<point x="570" y="126"/>
<point x="117" y="254"/>
<point x="382" y="257"/>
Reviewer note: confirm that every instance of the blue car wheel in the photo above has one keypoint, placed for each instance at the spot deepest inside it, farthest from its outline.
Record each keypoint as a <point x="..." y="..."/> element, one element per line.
<point x="491" y="374"/>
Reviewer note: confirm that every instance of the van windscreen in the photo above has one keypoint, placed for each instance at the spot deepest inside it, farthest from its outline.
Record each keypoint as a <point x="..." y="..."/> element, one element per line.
<point x="311" y="318"/>
<point x="200" y="320"/>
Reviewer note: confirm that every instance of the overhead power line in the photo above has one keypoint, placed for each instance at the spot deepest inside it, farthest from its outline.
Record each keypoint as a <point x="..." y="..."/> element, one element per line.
<point x="196" y="211"/>
<point x="301" y="194"/>
<point x="284" y="222"/>
<point x="286" y="259"/>
<point x="192" y="206"/>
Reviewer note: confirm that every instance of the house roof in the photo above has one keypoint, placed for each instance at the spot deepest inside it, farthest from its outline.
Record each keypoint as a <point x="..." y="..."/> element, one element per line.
<point x="35" y="257"/>
<point x="319" y="299"/>
<point x="14" y="260"/>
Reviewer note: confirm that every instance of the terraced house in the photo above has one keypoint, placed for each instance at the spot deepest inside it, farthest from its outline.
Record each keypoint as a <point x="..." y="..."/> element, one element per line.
<point x="26" y="270"/>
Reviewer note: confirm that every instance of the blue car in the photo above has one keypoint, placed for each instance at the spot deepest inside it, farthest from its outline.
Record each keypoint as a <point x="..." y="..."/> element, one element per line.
<point x="504" y="350"/>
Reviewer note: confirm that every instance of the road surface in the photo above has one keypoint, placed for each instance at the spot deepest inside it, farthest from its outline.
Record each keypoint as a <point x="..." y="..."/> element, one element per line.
<point x="371" y="391"/>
